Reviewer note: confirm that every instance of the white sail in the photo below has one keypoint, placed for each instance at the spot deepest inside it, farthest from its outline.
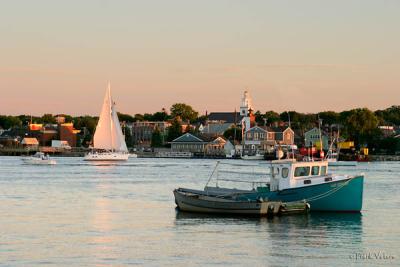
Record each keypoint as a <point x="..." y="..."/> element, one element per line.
<point x="108" y="133"/>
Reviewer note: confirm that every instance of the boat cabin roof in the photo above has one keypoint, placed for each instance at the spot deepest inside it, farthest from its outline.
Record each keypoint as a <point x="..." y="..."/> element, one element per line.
<point x="293" y="168"/>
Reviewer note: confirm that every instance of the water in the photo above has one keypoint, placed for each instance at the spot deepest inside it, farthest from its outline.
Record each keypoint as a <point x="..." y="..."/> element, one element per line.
<point x="79" y="214"/>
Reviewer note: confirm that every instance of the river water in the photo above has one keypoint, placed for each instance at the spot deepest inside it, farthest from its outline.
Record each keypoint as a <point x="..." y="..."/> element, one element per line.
<point x="82" y="214"/>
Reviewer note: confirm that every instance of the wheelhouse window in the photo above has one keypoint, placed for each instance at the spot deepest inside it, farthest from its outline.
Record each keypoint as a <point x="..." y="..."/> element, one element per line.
<point x="315" y="170"/>
<point x="323" y="170"/>
<point x="302" y="171"/>
<point x="285" y="172"/>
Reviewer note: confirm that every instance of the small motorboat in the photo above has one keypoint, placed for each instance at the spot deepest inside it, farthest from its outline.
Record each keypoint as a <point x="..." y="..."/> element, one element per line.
<point x="39" y="158"/>
<point x="253" y="157"/>
<point x="190" y="201"/>
<point x="133" y="155"/>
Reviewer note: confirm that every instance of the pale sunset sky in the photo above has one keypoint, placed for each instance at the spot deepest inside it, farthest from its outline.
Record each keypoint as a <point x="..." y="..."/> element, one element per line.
<point x="308" y="56"/>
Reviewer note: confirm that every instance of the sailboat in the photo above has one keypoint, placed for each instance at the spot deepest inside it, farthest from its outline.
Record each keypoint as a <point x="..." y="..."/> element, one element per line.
<point x="108" y="142"/>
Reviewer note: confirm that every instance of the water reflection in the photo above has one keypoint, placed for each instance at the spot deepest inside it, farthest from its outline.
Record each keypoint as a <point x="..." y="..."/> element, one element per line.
<point x="102" y="237"/>
<point x="314" y="229"/>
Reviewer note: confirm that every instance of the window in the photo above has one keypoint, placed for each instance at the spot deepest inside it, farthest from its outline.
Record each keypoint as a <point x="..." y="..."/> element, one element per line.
<point x="323" y="170"/>
<point x="285" y="172"/>
<point x="302" y="171"/>
<point x="315" y="170"/>
<point x="275" y="171"/>
<point x="270" y="136"/>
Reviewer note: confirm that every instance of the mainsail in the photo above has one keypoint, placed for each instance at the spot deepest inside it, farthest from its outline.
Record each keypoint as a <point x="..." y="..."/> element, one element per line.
<point x="108" y="133"/>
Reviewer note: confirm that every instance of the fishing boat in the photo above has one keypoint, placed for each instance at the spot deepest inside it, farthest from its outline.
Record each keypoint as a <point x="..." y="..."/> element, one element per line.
<point x="109" y="141"/>
<point x="39" y="159"/>
<point x="230" y="204"/>
<point x="293" y="181"/>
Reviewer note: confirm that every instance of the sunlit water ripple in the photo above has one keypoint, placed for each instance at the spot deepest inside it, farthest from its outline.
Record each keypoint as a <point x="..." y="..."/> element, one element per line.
<point x="80" y="214"/>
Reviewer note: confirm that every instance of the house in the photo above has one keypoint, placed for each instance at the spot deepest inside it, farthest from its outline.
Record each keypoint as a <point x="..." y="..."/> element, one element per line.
<point x="312" y="138"/>
<point x="387" y="130"/>
<point x="203" y="145"/>
<point x="29" y="142"/>
<point x="216" y="147"/>
<point x="263" y="139"/>
<point x="142" y="131"/>
<point x="255" y="140"/>
<point x="283" y="135"/>
<point x="188" y="143"/>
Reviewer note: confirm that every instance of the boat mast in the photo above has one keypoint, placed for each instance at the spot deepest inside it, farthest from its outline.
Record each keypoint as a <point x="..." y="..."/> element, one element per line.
<point x="111" y="113"/>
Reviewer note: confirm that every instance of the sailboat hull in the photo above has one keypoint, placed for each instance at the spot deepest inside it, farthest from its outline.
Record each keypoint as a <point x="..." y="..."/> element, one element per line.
<point x="107" y="156"/>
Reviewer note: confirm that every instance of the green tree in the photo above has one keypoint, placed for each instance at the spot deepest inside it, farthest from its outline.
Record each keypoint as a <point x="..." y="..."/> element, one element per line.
<point x="160" y="116"/>
<point x="148" y="117"/>
<point x="48" y="118"/>
<point x="272" y="117"/>
<point x="139" y="117"/>
<point x="128" y="135"/>
<point x="7" y="122"/>
<point x="190" y="129"/>
<point x="329" y="117"/>
<point x="156" y="138"/>
<point x="68" y="118"/>
<point x="259" y="117"/>
<point x="230" y="134"/>
<point x="389" y="116"/>
<point x="201" y="119"/>
<point x="125" y="117"/>
<point x="87" y="122"/>
<point x="299" y="121"/>
<point x="362" y="126"/>
<point x="185" y="112"/>
<point x="175" y="130"/>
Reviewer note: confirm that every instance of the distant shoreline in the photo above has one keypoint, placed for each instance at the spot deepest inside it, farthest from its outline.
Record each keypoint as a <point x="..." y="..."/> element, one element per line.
<point x="373" y="158"/>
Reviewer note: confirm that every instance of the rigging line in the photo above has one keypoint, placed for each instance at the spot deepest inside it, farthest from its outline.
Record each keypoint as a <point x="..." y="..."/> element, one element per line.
<point x="212" y="174"/>
<point x="326" y="194"/>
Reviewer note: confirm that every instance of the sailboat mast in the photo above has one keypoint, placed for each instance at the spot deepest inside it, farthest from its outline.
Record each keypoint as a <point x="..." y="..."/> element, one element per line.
<point x="111" y="109"/>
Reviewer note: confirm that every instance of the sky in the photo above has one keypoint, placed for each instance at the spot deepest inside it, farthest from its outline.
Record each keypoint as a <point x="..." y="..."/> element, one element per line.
<point x="308" y="56"/>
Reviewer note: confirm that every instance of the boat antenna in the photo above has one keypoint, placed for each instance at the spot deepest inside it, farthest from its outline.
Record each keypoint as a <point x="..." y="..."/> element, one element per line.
<point x="234" y="132"/>
<point x="320" y="134"/>
<point x="212" y="174"/>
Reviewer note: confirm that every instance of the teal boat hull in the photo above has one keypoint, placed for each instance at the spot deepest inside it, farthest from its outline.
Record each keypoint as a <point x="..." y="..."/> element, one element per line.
<point x="336" y="196"/>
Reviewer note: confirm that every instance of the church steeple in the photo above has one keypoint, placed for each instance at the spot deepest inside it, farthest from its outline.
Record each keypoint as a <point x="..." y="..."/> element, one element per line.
<point x="246" y="104"/>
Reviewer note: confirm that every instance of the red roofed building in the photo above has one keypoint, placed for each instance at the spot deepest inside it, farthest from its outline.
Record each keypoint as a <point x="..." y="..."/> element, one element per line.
<point x="68" y="133"/>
